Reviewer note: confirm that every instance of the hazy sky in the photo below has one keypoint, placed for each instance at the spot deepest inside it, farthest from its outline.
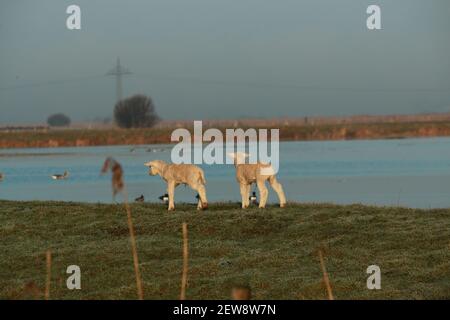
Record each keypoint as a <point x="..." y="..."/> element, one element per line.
<point x="225" y="58"/>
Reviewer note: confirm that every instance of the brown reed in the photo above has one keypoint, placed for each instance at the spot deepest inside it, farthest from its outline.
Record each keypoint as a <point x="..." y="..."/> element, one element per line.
<point x="326" y="280"/>
<point x="48" y="259"/>
<point x="117" y="175"/>
<point x="118" y="185"/>
<point x="185" y="262"/>
<point x="137" y="273"/>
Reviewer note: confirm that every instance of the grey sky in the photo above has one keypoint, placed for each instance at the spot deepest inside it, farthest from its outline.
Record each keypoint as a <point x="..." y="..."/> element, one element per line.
<point x="225" y="58"/>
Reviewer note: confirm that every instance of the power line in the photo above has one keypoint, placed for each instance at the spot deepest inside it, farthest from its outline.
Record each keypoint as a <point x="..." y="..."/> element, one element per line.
<point x="51" y="82"/>
<point x="118" y="71"/>
<point x="284" y="85"/>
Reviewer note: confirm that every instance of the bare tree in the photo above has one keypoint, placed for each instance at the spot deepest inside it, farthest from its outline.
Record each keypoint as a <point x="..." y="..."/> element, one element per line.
<point x="137" y="111"/>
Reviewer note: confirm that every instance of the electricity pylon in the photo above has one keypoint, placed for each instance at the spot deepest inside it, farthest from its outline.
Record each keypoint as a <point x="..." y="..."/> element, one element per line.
<point x="118" y="71"/>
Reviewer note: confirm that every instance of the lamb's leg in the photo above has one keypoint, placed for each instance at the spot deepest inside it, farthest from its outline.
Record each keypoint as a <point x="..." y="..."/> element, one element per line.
<point x="199" y="203"/>
<point x="203" y="202"/>
<point x="244" y="194"/>
<point x="263" y="192"/>
<point x="171" y="193"/>
<point x="278" y="189"/>
<point x="247" y="195"/>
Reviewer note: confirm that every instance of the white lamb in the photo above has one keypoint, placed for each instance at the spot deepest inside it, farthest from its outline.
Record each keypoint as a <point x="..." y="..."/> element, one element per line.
<point x="247" y="174"/>
<point x="176" y="174"/>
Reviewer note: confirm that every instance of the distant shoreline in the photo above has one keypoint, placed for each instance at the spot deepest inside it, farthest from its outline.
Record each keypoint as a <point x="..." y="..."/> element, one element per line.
<point x="289" y="131"/>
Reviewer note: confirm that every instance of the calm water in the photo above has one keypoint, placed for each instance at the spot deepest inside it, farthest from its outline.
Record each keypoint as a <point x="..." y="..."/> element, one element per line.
<point x="409" y="172"/>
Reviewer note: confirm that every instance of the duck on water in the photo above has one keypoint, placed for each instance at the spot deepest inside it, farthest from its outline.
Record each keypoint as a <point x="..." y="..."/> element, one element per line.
<point x="63" y="176"/>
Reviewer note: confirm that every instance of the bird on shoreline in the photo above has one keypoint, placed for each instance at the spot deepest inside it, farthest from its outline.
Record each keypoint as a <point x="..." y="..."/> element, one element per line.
<point x="164" y="198"/>
<point x="60" y="176"/>
<point x="253" y="198"/>
<point x="140" y="199"/>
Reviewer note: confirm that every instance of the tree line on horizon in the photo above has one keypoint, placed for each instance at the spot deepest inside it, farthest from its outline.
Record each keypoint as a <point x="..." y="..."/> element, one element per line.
<point x="137" y="111"/>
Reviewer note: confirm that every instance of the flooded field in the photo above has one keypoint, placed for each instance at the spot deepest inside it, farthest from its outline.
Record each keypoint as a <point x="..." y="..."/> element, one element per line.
<point x="407" y="172"/>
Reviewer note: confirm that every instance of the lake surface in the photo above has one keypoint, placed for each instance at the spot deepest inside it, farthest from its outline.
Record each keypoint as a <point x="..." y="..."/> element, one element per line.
<point x="407" y="172"/>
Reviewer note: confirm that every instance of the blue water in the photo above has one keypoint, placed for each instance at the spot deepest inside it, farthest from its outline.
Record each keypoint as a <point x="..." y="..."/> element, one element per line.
<point x="408" y="172"/>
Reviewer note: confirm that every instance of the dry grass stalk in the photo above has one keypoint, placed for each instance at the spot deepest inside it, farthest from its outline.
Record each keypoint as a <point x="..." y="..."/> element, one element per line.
<point x="49" y="271"/>
<point x="140" y="291"/>
<point x="185" y="262"/>
<point x="117" y="175"/>
<point x="326" y="280"/>
<point x="119" y="186"/>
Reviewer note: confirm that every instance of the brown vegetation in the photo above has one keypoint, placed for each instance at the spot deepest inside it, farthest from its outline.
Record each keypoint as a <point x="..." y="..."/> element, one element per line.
<point x="290" y="130"/>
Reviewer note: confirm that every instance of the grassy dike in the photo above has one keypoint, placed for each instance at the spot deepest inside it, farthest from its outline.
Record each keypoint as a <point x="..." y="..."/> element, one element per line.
<point x="273" y="250"/>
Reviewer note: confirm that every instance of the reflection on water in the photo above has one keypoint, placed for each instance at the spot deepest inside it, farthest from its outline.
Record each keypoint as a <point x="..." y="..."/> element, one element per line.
<point x="410" y="172"/>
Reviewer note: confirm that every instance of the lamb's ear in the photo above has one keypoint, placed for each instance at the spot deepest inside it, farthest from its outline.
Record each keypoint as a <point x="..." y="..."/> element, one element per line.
<point x="232" y="155"/>
<point x="240" y="157"/>
<point x="157" y="164"/>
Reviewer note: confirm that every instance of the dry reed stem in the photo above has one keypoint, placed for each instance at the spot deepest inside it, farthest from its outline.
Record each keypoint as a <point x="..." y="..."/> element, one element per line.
<point x="118" y="185"/>
<point x="137" y="273"/>
<point x="326" y="280"/>
<point x="185" y="262"/>
<point x="49" y="271"/>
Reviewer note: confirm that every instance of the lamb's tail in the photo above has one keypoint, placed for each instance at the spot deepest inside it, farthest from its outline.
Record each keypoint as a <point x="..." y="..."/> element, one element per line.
<point x="201" y="177"/>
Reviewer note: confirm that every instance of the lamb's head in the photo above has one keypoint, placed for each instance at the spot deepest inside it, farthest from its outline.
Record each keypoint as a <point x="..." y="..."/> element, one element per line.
<point x="238" y="157"/>
<point x="155" y="167"/>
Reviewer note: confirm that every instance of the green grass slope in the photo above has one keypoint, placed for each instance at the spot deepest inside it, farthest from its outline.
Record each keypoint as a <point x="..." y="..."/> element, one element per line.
<point x="272" y="250"/>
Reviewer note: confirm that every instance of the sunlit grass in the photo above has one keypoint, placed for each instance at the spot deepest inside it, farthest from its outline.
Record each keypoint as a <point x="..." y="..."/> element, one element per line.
<point x="272" y="250"/>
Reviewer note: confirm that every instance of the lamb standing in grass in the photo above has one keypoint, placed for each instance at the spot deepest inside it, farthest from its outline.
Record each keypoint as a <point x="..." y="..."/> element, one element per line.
<point x="247" y="174"/>
<point x="176" y="174"/>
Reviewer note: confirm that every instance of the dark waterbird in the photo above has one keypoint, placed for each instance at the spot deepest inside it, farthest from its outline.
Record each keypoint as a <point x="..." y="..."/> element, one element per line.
<point x="140" y="199"/>
<point x="63" y="176"/>
<point x="164" y="198"/>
